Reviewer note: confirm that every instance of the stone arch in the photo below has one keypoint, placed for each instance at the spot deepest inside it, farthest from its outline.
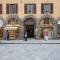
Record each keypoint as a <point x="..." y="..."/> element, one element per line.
<point x="30" y="16"/>
<point x="13" y="17"/>
<point x="47" y="16"/>
<point x="29" y="21"/>
<point x="33" y="17"/>
<point x="49" y="26"/>
<point x="33" y="21"/>
<point x="17" y="19"/>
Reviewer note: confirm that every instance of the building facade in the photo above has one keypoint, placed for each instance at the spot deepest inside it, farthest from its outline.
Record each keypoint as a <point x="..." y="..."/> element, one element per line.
<point x="31" y="16"/>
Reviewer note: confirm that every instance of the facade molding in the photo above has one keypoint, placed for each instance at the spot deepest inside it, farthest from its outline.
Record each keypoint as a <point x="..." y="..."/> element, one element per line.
<point x="14" y="16"/>
<point x="36" y="24"/>
<point x="30" y="16"/>
<point x="48" y="16"/>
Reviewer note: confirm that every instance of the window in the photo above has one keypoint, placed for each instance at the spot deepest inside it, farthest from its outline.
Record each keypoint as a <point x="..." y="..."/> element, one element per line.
<point x="47" y="8"/>
<point x="0" y="8"/>
<point x="46" y="20"/>
<point x="12" y="21"/>
<point x="30" y="8"/>
<point x="12" y="8"/>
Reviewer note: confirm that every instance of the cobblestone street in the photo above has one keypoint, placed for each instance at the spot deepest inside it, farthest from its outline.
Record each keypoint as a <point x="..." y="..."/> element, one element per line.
<point x="29" y="51"/>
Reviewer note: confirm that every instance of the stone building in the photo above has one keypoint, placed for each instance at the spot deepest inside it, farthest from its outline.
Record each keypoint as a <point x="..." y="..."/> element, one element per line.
<point x="31" y="16"/>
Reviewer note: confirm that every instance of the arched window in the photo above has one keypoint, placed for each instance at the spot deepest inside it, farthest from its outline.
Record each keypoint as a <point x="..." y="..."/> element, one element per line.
<point x="12" y="21"/>
<point x="46" y="20"/>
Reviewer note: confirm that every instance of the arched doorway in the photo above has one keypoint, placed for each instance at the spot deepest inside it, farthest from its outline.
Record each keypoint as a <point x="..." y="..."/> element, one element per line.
<point x="29" y="27"/>
<point x="46" y="25"/>
<point x="12" y="28"/>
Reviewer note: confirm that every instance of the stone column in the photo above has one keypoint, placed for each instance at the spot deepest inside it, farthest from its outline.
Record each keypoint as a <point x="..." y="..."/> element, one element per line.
<point x="4" y="35"/>
<point x="55" y="31"/>
<point x="21" y="34"/>
<point x="37" y="30"/>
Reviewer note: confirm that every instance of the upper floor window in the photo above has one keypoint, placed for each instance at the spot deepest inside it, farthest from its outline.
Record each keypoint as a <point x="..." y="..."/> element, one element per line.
<point x="47" y="8"/>
<point x="0" y="8"/>
<point x="30" y="8"/>
<point x="12" y="8"/>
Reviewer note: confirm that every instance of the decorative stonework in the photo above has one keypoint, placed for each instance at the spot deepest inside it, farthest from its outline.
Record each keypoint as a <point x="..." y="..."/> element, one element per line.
<point x="37" y="24"/>
<point x="51" y="22"/>
<point x="13" y="16"/>
<point x="35" y="21"/>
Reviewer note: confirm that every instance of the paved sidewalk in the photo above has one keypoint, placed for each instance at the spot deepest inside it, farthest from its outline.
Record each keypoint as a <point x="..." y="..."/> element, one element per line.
<point x="30" y="41"/>
<point x="30" y="52"/>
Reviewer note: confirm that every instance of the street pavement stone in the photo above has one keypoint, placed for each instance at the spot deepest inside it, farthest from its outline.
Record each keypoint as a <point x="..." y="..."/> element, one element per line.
<point x="29" y="51"/>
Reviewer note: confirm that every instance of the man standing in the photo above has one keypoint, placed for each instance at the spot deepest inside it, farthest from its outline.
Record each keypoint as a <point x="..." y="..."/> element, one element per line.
<point x="26" y="36"/>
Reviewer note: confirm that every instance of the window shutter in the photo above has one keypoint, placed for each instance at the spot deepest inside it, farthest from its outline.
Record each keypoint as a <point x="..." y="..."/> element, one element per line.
<point x="0" y="8"/>
<point x="42" y="8"/>
<point x="7" y="8"/>
<point x="16" y="8"/>
<point x="25" y="8"/>
<point x="34" y="8"/>
<point x="51" y="8"/>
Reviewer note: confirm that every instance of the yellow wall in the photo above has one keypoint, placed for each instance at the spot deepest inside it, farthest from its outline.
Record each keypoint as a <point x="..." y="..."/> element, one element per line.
<point x="21" y="3"/>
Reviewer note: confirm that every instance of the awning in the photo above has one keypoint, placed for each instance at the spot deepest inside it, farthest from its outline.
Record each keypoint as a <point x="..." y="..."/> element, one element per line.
<point x="16" y="25"/>
<point x="46" y="26"/>
<point x="11" y="27"/>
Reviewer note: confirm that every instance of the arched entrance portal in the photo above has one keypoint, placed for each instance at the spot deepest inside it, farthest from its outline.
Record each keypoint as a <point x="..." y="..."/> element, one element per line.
<point x="46" y="25"/>
<point x="12" y="28"/>
<point x="29" y="27"/>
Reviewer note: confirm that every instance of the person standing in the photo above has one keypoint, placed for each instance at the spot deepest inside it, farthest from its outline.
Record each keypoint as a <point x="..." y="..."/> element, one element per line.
<point x="46" y="35"/>
<point x="26" y="36"/>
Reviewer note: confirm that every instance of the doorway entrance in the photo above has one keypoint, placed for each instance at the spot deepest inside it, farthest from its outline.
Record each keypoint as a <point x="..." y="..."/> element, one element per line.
<point x="46" y="23"/>
<point x="49" y="30"/>
<point x="30" y="31"/>
<point x="29" y="27"/>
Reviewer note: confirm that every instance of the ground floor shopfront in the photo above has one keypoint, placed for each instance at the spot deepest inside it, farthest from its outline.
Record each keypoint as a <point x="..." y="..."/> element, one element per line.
<point x="15" y="28"/>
